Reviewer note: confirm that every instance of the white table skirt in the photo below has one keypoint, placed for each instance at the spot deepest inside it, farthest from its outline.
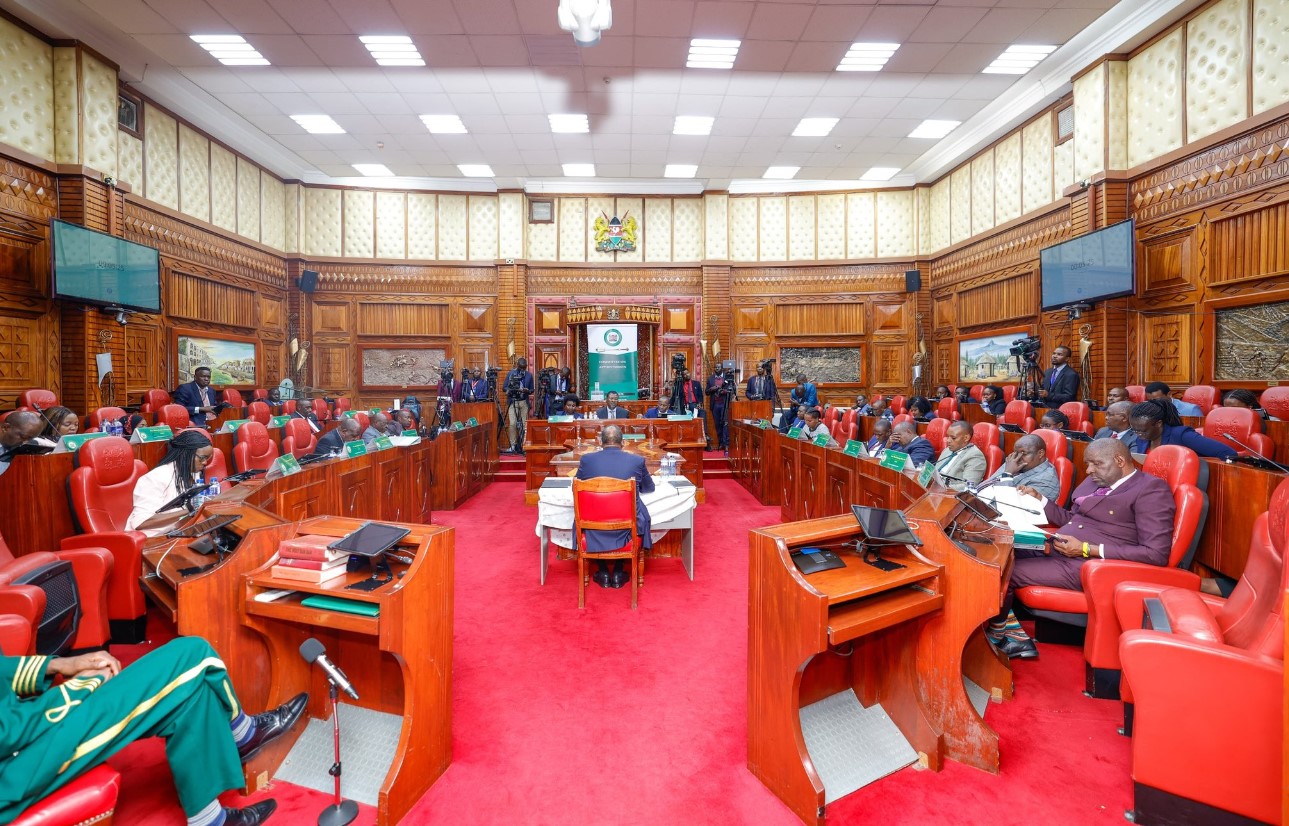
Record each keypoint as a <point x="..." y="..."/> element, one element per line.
<point x="665" y="503"/>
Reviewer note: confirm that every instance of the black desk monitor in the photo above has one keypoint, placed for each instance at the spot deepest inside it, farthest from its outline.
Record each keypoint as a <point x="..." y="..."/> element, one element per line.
<point x="978" y="506"/>
<point x="883" y="526"/>
<point x="371" y="539"/>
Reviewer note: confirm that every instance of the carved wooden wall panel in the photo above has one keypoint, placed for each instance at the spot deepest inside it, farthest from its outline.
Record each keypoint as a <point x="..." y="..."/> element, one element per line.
<point x="1249" y="245"/>
<point x="1166" y="262"/>
<point x="333" y="367"/>
<point x="816" y="319"/>
<point x="409" y="320"/>
<point x="477" y="319"/>
<point x="1168" y="348"/>
<point x="1004" y="300"/>
<point x="549" y="320"/>
<point x="331" y="317"/>
<point x="679" y="319"/>
<point x="190" y="296"/>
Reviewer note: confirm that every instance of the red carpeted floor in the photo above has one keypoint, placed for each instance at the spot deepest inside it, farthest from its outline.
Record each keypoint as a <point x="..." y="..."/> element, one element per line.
<point x="610" y="716"/>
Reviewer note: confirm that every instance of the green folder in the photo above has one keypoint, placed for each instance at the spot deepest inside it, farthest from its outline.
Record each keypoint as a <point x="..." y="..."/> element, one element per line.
<point x="348" y="606"/>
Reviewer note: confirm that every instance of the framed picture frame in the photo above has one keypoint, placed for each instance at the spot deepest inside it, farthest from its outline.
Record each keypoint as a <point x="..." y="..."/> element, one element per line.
<point x="983" y="358"/>
<point x="400" y="366"/>
<point x="541" y="210"/>
<point x="234" y="361"/>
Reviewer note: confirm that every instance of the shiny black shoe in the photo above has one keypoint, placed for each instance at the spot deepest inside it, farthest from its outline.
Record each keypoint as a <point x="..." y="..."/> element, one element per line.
<point x="272" y="724"/>
<point x="601" y="578"/>
<point x="250" y="815"/>
<point x="1015" y="649"/>
<point x="619" y="579"/>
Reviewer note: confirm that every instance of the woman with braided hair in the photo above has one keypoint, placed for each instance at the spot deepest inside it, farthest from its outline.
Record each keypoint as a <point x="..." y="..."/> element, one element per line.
<point x="181" y="468"/>
<point x="1156" y="423"/>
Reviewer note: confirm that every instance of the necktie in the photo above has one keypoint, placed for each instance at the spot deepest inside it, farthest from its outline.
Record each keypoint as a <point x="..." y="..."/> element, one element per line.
<point x="946" y="461"/>
<point x="1098" y="492"/>
<point x="205" y="397"/>
<point x="689" y="393"/>
<point x="1052" y="382"/>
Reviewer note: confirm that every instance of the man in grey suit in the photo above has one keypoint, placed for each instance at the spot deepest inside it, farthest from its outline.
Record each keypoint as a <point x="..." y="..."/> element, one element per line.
<point x="1027" y="465"/>
<point x="616" y="463"/>
<point x="961" y="463"/>
<point x="379" y="427"/>
<point x="611" y="409"/>
<point x="1118" y="424"/>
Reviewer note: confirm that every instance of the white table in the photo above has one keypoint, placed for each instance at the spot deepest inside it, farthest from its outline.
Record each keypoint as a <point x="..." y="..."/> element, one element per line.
<point x="670" y="505"/>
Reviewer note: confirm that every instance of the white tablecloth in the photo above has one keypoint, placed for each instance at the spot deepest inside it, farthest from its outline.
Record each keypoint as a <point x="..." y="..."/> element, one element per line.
<point x="665" y="503"/>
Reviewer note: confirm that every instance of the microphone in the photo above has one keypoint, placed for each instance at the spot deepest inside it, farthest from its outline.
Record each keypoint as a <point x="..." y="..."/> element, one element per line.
<point x="314" y="653"/>
<point x="1277" y="465"/>
<point x="996" y="503"/>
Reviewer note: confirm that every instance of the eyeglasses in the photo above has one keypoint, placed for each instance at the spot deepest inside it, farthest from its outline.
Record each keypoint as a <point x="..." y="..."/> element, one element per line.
<point x="205" y="460"/>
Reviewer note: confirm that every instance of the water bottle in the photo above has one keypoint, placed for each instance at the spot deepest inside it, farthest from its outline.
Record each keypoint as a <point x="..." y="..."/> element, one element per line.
<point x="118" y="429"/>
<point x="106" y="427"/>
<point x="213" y="490"/>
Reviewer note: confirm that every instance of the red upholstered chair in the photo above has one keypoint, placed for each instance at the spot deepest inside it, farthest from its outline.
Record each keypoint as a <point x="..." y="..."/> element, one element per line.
<point x="259" y="412"/>
<point x="90" y="798"/>
<point x="1275" y="400"/>
<point x="953" y="389"/>
<point x="832" y="415"/>
<point x="1055" y="441"/>
<point x="260" y="395"/>
<point x="1019" y="413"/>
<point x="154" y="400"/>
<point x="984" y="434"/>
<point x="1204" y="395"/>
<point x="849" y="417"/>
<point x="102" y="495"/>
<point x="364" y="421"/>
<point x="897" y="405"/>
<point x="846" y="432"/>
<point x="21" y="607"/>
<point x="254" y="449"/>
<point x="1078" y="413"/>
<point x="604" y="504"/>
<point x="903" y="417"/>
<point x="1200" y="662"/>
<point x="175" y="416"/>
<point x="90" y="566"/>
<point x="1176" y="465"/>
<point x="1009" y="392"/>
<point x="1243" y="424"/>
<point x="96" y="418"/>
<point x="217" y="467"/>
<point x="342" y="404"/>
<point x="1065" y="476"/>
<point x="1136" y="393"/>
<point x="935" y="430"/>
<point x="297" y="438"/>
<point x="234" y="398"/>
<point x="320" y="410"/>
<point x="993" y="459"/>
<point x="37" y="397"/>
<point x="977" y="392"/>
<point x="288" y="407"/>
<point x="947" y="409"/>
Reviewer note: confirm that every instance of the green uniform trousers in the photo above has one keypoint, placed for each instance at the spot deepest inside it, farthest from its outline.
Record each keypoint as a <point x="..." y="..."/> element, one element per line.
<point x="180" y="691"/>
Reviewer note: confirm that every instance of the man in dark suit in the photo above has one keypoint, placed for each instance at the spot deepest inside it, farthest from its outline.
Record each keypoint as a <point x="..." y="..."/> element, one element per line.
<point x="1117" y="423"/>
<point x="334" y="441"/>
<point x="691" y="394"/>
<point x="761" y="386"/>
<point x="1119" y="513"/>
<point x="611" y="409"/>
<point x="720" y="391"/>
<point x="197" y="397"/>
<point x="616" y="463"/>
<point x="561" y="384"/>
<point x="1060" y="383"/>
<point x="881" y="435"/>
<point x="476" y="388"/>
<point x="905" y="438"/>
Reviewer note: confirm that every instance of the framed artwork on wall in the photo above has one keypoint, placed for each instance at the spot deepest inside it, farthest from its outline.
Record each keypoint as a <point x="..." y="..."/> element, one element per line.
<point x="399" y="367"/>
<point x="985" y="358"/>
<point x="233" y="360"/>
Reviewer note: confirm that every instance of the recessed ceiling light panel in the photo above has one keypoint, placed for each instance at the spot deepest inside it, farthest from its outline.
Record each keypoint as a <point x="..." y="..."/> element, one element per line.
<point x="693" y="125"/>
<point x="934" y="129"/>
<point x="814" y="127"/>
<point x="230" y="49"/>
<point x="867" y="57"/>
<point x="1018" y="60"/>
<point x="880" y="173"/>
<point x="475" y="170"/>
<point x="680" y="170"/>
<point x="374" y="170"/>
<point x="781" y="172"/>
<point x="705" y="53"/>
<point x="444" y="124"/>
<point x="392" y="49"/>
<point x="579" y="170"/>
<point x="318" y="124"/>
<point x="569" y="123"/>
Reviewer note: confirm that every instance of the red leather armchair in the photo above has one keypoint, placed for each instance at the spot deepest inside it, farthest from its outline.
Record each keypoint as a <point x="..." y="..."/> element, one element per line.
<point x="901" y="417"/>
<point x="95" y="419"/>
<point x="1065" y="477"/>
<point x="91" y="566"/>
<point x="1194" y="663"/>
<point x="234" y="398"/>
<point x="977" y="392"/>
<point x="1009" y="392"/>
<point x="37" y="397"/>
<point x="843" y="432"/>
<point x="1055" y="442"/>
<point x="320" y="410"/>
<point x="102" y="495"/>
<point x="1204" y="395"/>
<point x="984" y="434"/>
<point x="342" y="404"/>
<point x="1019" y="413"/>
<point x="849" y="417"/>
<point x="254" y="448"/>
<point x="1136" y="393"/>
<point x="831" y="415"/>
<point x="1243" y="424"/>
<point x="154" y="400"/>
<point x="90" y="798"/>
<point x="1275" y="400"/>
<point x="175" y="416"/>
<point x="288" y="407"/>
<point x="298" y="438"/>
<point x="364" y="421"/>
<point x="260" y="395"/>
<point x="935" y="430"/>
<point x="21" y="607"/>
<point x="947" y="409"/>
<point x="897" y="405"/>
<point x="259" y="412"/>
<point x="1078" y="413"/>
<point x="993" y="459"/>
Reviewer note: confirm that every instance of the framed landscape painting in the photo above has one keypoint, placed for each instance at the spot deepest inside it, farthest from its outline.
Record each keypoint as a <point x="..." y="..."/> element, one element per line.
<point x="984" y="359"/>
<point x="232" y="361"/>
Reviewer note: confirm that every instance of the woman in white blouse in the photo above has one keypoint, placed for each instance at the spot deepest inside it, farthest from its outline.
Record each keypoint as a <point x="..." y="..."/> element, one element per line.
<point x="178" y="470"/>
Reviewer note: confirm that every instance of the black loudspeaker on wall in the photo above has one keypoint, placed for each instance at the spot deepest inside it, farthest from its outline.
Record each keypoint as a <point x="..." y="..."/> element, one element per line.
<point x="912" y="281"/>
<point x="308" y="281"/>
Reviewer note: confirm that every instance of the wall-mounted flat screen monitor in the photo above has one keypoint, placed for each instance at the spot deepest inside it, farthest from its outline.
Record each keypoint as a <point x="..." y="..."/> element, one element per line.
<point x="1089" y="268"/>
<point x="97" y="268"/>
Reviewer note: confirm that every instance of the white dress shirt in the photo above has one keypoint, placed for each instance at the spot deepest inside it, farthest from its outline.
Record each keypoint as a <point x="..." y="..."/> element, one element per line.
<point x="154" y="489"/>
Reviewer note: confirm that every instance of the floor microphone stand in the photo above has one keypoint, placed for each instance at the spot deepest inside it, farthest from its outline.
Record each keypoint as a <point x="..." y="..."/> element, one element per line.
<point x="341" y="811"/>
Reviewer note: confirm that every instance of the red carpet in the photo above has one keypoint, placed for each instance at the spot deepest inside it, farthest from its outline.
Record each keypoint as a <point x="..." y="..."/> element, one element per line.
<point x="610" y="716"/>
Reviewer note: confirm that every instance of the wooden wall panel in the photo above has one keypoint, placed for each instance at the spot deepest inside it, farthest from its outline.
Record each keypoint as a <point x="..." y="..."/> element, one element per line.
<point x="1165" y="262"/>
<point x="388" y="319"/>
<point x="815" y="319"/>
<point x="1007" y="299"/>
<point x="1250" y="245"/>
<point x="193" y="297"/>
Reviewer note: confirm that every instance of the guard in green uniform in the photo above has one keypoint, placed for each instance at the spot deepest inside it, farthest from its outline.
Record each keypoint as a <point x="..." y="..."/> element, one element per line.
<point x="49" y="734"/>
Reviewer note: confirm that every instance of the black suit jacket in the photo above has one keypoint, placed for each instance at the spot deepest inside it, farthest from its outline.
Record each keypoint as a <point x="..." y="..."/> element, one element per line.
<point x="329" y="443"/>
<point x="189" y="396"/>
<point x="617" y="413"/>
<point x="616" y="463"/>
<point x="760" y="387"/>
<point x="1066" y="388"/>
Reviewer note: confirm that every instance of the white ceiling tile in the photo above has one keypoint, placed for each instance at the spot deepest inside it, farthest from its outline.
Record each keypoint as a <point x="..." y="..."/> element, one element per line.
<point x="946" y="24"/>
<point x="250" y="16"/>
<point x="816" y="57"/>
<point x="219" y="80"/>
<point x="339" y="103"/>
<point x="836" y="23"/>
<point x="1003" y="26"/>
<point x="400" y="124"/>
<point x="249" y="104"/>
<point x="526" y="124"/>
<point x="920" y="108"/>
<point x="968" y="58"/>
<point x="442" y="50"/>
<point x="337" y="50"/>
<point x="662" y="18"/>
<point x="501" y="49"/>
<point x="661" y="52"/>
<point x="919" y="57"/>
<point x="176" y="49"/>
<point x="778" y="21"/>
<point x="1059" y="25"/>
<point x="891" y="24"/>
<point x="722" y="20"/>
<point x="470" y="104"/>
<point x="386" y="104"/>
<point x="486" y="16"/>
<point x="315" y="80"/>
<point x="193" y="17"/>
<point x="312" y="16"/>
<point x="295" y="103"/>
<point x="419" y="17"/>
<point x="656" y="105"/>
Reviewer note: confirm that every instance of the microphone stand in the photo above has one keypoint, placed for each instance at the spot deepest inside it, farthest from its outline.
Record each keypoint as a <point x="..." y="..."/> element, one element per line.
<point x="1276" y="465"/>
<point x="341" y="811"/>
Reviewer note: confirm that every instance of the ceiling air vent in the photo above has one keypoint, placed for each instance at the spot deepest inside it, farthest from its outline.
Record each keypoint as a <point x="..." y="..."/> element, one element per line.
<point x="553" y="50"/>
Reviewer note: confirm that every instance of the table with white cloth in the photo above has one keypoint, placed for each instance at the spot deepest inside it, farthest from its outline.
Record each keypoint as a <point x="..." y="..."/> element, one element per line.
<point x="670" y="505"/>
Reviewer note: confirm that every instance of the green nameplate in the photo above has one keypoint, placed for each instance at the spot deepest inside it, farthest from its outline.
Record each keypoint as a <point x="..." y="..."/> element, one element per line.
<point x="925" y="474"/>
<point x="286" y="464"/>
<point x="559" y="419"/>
<point x="355" y="448"/>
<point x="458" y="426"/>
<point x="632" y="437"/>
<point x="794" y="433"/>
<point x="279" y="421"/>
<point x="231" y="425"/>
<point x="410" y="433"/>
<point x="71" y="444"/>
<point x="764" y="424"/>
<point x="383" y="443"/>
<point x="157" y="433"/>
<point x="373" y="411"/>
<point x="854" y="448"/>
<point x="348" y="414"/>
<point x="680" y="417"/>
<point x="472" y="422"/>
<point x="821" y="440"/>
<point x="894" y="460"/>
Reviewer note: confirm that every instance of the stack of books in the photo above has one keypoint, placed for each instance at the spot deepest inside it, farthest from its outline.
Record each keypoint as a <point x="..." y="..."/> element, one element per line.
<point x="308" y="559"/>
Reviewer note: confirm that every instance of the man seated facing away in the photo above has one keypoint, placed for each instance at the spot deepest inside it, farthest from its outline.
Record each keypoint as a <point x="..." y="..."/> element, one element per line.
<point x="789" y="422"/>
<point x="1054" y="420"/>
<point x="379" y="427"/>
<point x="804" y="393"/>
<point x="814" y="427"/>
<point x="179" y="691"/>
<point x="611" y="409"/>
<point x="17" y="429"/>
<point x="991" y="398"/>
<point x="963" y="395"/>
<point x="1027" y="466"/>
<point x="616" y="463"/>
<point x="905" y="438"/>
<point x="1159" y="390"/>
<point x="572" y="407"/>
<point x="881" y="435"/>
<point x="333" y="443"/>
<point x="1156" y="423"/>
<point x="1117" y="424"/>
<point x="961" y="463"/>
<point x="861" y="406"/>
<point x="1118" y="513"/>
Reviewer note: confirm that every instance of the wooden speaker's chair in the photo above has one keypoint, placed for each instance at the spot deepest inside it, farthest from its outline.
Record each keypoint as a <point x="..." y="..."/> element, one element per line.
<point x="604" y="504"/>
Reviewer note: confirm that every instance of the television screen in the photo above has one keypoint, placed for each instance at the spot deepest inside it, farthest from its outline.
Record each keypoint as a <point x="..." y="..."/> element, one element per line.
<point x="1089" y="268"/>
<point x="97" y="268"/>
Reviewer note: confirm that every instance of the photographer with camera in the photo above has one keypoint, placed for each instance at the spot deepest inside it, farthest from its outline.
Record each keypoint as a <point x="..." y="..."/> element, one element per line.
<point x="518" y="387"/>
<point x="474" y="388"/>
<point x="560" y="386"/>
<point x="449" y="387"/>
<point x="722" y="390"/>
<point x="761" y="386"/>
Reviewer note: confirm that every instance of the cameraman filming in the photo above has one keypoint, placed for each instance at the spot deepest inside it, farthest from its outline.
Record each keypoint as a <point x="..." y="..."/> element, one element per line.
<point x="518" y="387"/>
<point x="720" y="391"/>
<point x="1060" y="383"/>
<point x="761" y="386"/>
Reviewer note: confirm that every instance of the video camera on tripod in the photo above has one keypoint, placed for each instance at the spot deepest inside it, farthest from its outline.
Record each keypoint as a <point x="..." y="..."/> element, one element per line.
<point x="1026" y="349"/>
<point x="727" y="371"/>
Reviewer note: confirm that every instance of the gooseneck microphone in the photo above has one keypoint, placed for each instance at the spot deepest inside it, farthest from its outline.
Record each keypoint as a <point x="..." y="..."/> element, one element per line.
<point x="314" y="652"/>
<point x="1231" y="438"/>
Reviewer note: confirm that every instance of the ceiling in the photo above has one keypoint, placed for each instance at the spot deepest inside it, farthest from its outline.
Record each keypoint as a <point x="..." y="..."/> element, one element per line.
<point x="504" y="65"/>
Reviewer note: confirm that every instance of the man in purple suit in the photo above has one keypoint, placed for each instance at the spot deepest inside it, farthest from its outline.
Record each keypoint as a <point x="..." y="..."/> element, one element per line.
<point x="616" y="463"/>
<point x="1119" y="512"/>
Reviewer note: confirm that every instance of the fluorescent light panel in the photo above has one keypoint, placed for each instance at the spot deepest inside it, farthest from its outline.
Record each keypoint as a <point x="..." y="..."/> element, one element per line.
<point x="867" y="57"/>
<point x="569" y="123"/>
<point x="781" y="172"/>
<point x="475" y="170"/>
<point x="392" y="49"/>
<point x="814" y="127"/>
<point x="934" y="129"/>
<point x="680" y="170"/>
<point x="374" y="170"/>
<point x="693" y="125"/>
<point x="579" y="170"/>
<point x="1018" y="60"/>
<point x="444" y="124"/>
<point x="880" y="173"/>
<point x="230" y="49"/>
<point x="318" y="124"/>
<point x="712" y="54"/>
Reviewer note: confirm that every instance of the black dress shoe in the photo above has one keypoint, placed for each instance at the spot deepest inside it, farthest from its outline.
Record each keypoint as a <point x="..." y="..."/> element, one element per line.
<point x="601" y="578"/>
<point x="619" y="579"/>
<point x="251" y="815"/>
<point x="1015" y="649"/>
<point x="272" y="724"/>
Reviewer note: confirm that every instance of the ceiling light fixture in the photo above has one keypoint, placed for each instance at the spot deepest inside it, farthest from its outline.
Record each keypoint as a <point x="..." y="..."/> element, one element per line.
<point x="392" y="49"/>
<point x="318" y="124"/>
<point x="374" y="170"/>
<point x="781" y="172"/>
<point x="230" y="49"/>
<point x="1018" y="60"/>
<point x="585" y="19"/>
<point x="867" y="57"/>
<point x="712" y="54"/>
<point x="444" y="124"/>
<point x="880" y="173"/>
<point x="814" y="127"/>
<point x="569" y="123"/>
<point x="475" y="170"/>
<point x="934" y="129"/>
<point x="579" y="170"/>
<point x="692" y="125"/>
<point x="680" y="170"/>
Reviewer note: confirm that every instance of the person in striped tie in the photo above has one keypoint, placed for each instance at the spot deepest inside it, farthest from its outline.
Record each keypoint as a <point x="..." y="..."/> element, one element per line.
<point x="1119" y="512"/>
<point x="961" y="463"/>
